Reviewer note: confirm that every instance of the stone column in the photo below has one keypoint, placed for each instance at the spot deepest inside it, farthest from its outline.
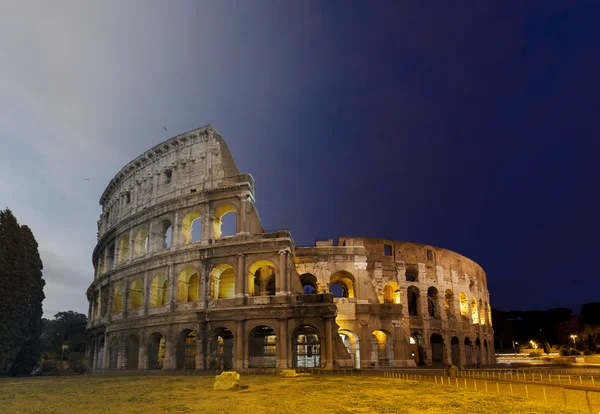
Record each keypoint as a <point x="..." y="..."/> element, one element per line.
<point x="100" y="303"/>
<point x="110" y="304"/>
<point x="448" y="350"/>
<point x="171" y="283"/>
<point x="200" y="351"/>
<point x="240" y="278"/>
<point x="238" y="357"/>
<point x="115" y="254"/>
<point x="90" y="307"/>
<point x="142" y="357"/>
<point x="281" y="285"/>
<point x="146" y="297"/>
<point x="329" y="342"/>
<point x="105" y="354"/>
<point x="176" y="230"/>
<point x="169" y="362"/>
<point x="282" y="356"/>
<point x="94" y="356"/>
<point x="120" y="355"/>
<point x="462" y="352"/>
<point x="241" y="218"/>
<point x="131" y="245"/>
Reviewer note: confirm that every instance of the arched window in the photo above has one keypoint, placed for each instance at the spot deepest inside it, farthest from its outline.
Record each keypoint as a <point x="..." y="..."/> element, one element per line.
<point x="382" y="351"/>
<point x="123" y="249"/>
<point x="191" y="228"/>
<point x="306" y="347"/>
<point x="449" y="302"/>
<point x="136" y="295"/>
<point x="225" y="221"/>
<point x="464" y="304"/>
<point x="482" y="314"/>
<point x="141" y="242"/>
<point x="412" y="274"/>
<point x="186" y="349"/>
<point x="167" y="234"/>
<point x="341" y="284"/>
<point x="261" y="278"/>
<point x="159" y="291"/>
<point x="187" y="286"/>
<point x="432" y="298"/>
<point x="474" y="314"/>
<point x="489" y="313"/>
<point x="262" y="342"/>
<point x="309" y="283"/>
<point x="413" y="300"/>
<point x="391" y="293"/>
<point x="222" y="282"/>
<point x="117" y="299"/>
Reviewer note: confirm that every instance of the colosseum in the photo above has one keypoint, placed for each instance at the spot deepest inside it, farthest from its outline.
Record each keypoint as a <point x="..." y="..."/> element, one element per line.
<point x="186" y="278"/>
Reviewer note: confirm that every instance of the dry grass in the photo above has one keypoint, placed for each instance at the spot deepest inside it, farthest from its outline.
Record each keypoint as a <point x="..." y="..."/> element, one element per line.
<point x="265" y="394"/>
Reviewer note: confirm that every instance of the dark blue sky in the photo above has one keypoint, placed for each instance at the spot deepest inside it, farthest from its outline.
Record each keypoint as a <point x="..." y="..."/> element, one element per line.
<point x="472" y="128"/>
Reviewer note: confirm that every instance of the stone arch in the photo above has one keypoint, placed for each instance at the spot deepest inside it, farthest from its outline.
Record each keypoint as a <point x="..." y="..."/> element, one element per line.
<point x="113" y="353"/>
<point x="225" y="221"/>
<point x="261" y="278"/>
<point x="449" y="302"/>
<point x="468" y="351"/>
<point x="306" y="341"/>
<point x="136" y="295"/>
<point x="432" y="302"/>
<point x="484" y="356"/>
<point x="221" y="344"/>
<point x="187" y="285"/>
<point x="474" y="313"/>
<point x="478" y="350"/>
<point x="191" y="228"/>
<point x="141" y="241"/>
<point x="156" y="345"/>
<point x="382" y="349"/>
<point x="391" y="293"/>
<point x="437" y="349"/>
<point x="262" y="347"/>
<point x="123" y="249"/>
<point x="345" y="281"/>
<point x="187" y="340"/>
<point x="417" y="348"/>
<point x="309" y="283"/>
<point x="132" y="348"/>
<point x="222" y="282"/>
<point x="482" y="314"/>
<point x="455" y="349"/>
<point x="464" y="304"/>
<point x="352" y="344"/>
<point x="414" y="299"/>
<point x="166" y="233"/>
<point x="412" y="274"/>
<point x="117" y="305"/>
<point x="159" y="290"/>
<point x="489" y="313"/>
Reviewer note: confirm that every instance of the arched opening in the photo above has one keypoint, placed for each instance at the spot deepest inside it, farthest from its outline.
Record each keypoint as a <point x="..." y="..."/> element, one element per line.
<point x="481" y="313"/>
<point x="464" y="304"/>
<point x="437" y="349"/>
<point x="306" y="347"/>
<point x="484" y="358"/>
<point x="222" y="282"/>
<point x="187" y="286"/>
<point x="449" y="302"/>
<point x="309" y="283"/>
<point x="474" y="314"/>
<point x="341" y="284"/>
<point x="167" y="234"/>
<point x="468" y="351"/>
<point x="110" y="256"/>
<point x="412" y="274"/>
<point x="141" y="242"/>
<point x="100" y="354"/>
<point x="382" y="351"/>
<point x="413" y="300"/>
<point x="391" y="293"/>
<point x="352" y="344"/>
<point x="186" y="349"/>
<point x="225" y="221"/>
<point x="133" y="349"/>
<point x="156" y="351"/>
<point x="136" y="295"/>
<point x="221" y="350"/>
<point x="261" y="278"/>
<point x="417" y="348"/>
<point x="478" y="351"/>
<point x="488" y="311"/>
<point x="113" y="354"/>
<point x="117" y="299"/>
<point x="191" y="228"/>
<point x="123" y="249"/>
<point x="432" y="300"/>
<point x="159" y="291"/>
<point x="104" y="301"/>
<point x="97" y="304"/>
<point x="263" y="348"/>
<point x="455" y="345"/>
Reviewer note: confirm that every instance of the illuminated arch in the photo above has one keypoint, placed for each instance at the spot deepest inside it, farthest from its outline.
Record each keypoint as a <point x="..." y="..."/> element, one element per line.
<point x="222" y="282"/>
<point x="464" y="304"/>
<point x="489" y="313"/>
<point x="309" y="283"/>
<point x="345" y="280"/>
<point x="224" y="212"/>
<point x="187" y="285"/>
<point x="191" y="228"/>
<point x="432" y="305"/>
<point x="382" y="350"/>
<point x="474" y="313"/>
<point x="123" y="249"/>
<point x="482" y="312"/>
<point x="261" y="278"/>
<point x="159" y="290"/>
<point x="136" y="295"/>
<point x="167" y="234"/>
<point x="391" y="293"/>
<point x="449" y="302"/>
<point x="117" y="305"/>
<point x="141" y="242"/>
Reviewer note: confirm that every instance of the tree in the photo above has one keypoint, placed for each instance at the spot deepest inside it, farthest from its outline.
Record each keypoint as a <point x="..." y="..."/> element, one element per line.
<point x="66" y="330"/>
<point x="21" y="290"/>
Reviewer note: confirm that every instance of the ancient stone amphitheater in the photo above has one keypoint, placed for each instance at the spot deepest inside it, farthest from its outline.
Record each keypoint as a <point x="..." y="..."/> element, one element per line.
<point x="186" y="278"/>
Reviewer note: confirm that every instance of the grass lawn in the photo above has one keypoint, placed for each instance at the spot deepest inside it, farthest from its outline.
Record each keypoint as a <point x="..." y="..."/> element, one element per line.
<point x="265" y="394"/>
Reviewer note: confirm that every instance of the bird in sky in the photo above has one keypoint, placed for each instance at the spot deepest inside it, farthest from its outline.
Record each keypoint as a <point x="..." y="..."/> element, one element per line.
<point x="165" y="128"/>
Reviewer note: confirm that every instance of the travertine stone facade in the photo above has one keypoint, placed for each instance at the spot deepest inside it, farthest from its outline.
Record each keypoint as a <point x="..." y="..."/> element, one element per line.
<point x="186" y="278"/>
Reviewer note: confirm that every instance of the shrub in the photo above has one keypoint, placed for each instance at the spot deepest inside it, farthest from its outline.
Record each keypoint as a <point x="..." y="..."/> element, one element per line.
<point x="587" y="352"/>
<point x="563" y="352"/>
<point x="534" y="354"/>
<point x="574" y="352"/>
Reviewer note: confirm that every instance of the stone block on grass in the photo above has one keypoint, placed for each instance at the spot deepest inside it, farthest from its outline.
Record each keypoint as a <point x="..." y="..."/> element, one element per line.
<point x="229" y="380"/>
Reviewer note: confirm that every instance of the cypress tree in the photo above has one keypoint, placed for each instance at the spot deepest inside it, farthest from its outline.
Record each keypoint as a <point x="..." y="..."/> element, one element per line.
<point x="21" y="290"/>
